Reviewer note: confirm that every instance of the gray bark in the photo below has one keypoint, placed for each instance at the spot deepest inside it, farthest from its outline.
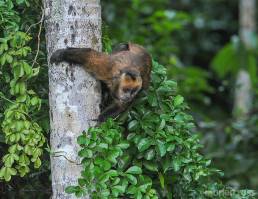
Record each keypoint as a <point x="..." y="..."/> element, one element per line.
<point x="243" y="86"/>
<point x="74" y="96"/>
<point x="247" y="9"/>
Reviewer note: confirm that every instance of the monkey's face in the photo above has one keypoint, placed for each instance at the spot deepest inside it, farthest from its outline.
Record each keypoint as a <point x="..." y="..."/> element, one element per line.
<point x="130" y="84"/>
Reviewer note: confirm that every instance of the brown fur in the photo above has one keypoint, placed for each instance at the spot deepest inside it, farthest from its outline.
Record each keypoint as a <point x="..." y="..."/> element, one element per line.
<point x="125" y="71"/>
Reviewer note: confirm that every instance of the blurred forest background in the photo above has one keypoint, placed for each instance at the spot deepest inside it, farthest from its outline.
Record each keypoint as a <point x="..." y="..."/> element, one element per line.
<point x="199" y="42"/>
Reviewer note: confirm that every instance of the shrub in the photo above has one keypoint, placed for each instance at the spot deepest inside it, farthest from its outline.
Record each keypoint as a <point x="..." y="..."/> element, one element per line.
<point x="153" y="153"/>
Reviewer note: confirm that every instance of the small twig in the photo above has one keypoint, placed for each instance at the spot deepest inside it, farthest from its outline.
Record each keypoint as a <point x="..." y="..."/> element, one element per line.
<point x="12" y="102"/>
<point x="4" y="98"/>
<point x="39" y="33"/>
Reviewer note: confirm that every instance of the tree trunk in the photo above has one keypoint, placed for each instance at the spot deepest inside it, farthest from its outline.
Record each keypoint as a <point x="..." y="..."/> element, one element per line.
<point x="74" y="96"/>
<point x="243" y="86"/>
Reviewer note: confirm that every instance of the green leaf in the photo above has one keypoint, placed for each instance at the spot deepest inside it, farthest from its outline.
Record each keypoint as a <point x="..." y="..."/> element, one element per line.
<point x="171" y="147"/>
<point x="71" y="189"/>
<point x="187" y="176"/>
<point x="22" y="88"/>
<point x="103" y="146"/>
<point x="12" y="171"/>
<point x="166" y="164"/>
<point x="112" y="173"/>
<point x="85" y="153"/>
<point x="18" y="71"/>
<point x="162" y="180"/>
<point x="112" y="156"/>
<point x="118" y="189"/>
<point x="152" y="99"/>
<point x="133" y="125"/>
<point x="162" y="124"/>
<point x="151" y="166"/>
<point x="35" y="71"/>
<point x="21" y="98"/>
<point x="116" y="181"/>
<point x="9" y="58"/>
<point x="132" y="179"/>
<point x="176" y="164"/>
<point x="7" y="175"/>
<point x="83" y="140"/>
<point x="149" y="155"/>
<point x="161" y="148"/>
<point x="8" y="160"/>
<point x="123" y="145"/>
<point x="139" y="195"/>
<point x="134" y="170"/>
<point x="79" y="193"/>
<point x="178" y="100"/>
<point x="103" y="163"/>
<point x="105" y="193"/>
<point x="37" y="163"/>
<point x="2" y="171"/>
<point x="34" y="101"/>
<point x="19" y="1"/>
<point x="144" y="144"/>
<point x="226" y="61"/>
<point x="132" y="189"/>
<point x="27" y="69"/>
<point x="131" y="136"/>
<point x="2" y="59"/>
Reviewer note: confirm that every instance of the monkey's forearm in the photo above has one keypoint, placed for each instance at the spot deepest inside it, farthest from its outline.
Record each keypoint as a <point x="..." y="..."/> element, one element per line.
<point x="113" y="111"/>
<point x="74" y="55"/>
<point x="125" y="71"/>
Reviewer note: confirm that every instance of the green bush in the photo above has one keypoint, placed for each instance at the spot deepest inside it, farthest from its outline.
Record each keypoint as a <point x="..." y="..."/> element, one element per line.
<point x="153" y="154"/>
<point x="19" y="104"/>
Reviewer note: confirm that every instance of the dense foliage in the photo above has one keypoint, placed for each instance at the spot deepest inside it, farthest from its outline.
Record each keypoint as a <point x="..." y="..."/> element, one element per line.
<point x="22" y="133"/>
<point x="154" y="156"/>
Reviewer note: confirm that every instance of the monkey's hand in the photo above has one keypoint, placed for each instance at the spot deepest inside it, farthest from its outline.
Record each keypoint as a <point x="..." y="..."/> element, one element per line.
<point x="57" y="56"/>
<point x="112" y="111"/>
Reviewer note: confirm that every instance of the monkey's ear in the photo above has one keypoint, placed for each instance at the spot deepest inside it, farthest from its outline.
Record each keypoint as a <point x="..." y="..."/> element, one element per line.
<point x="121" y="47"/>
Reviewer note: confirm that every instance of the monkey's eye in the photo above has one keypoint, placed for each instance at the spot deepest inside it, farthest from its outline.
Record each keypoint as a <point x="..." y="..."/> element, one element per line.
<point x="127" y="90"/>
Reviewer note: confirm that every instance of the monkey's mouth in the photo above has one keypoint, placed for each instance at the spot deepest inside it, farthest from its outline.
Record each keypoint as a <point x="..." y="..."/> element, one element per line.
<point x="121" y="100"/>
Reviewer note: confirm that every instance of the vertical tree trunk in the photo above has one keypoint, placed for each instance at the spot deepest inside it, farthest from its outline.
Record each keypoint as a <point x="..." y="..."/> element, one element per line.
<point x="74" y="96"/>
<point x="243" y="87"/>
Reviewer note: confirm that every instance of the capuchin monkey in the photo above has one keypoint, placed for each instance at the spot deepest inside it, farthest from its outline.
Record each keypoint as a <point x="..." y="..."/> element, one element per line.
<point x="125" y="72"/>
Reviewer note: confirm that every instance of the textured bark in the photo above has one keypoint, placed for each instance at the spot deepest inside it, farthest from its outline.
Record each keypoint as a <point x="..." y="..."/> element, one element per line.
<point x="243" y="87"/>
<point x="74" y="96"/>
<point x="247" y="21"/>
<point x="243" y="94"/>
